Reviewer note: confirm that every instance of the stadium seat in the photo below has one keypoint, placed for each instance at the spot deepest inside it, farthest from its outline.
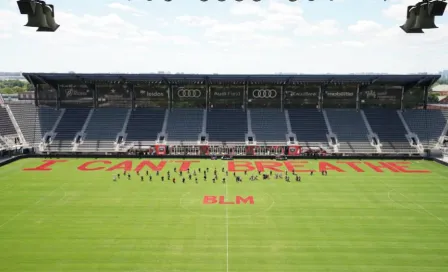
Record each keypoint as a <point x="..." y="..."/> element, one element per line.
<point x="70" y="124"/>
<point x="269" y="126"/>
<point x="26" y="116"/>
<point x="350" y="130"/>
<point x="427" y="124"/>
<point x="103" y="128"/>
<point x="226" y="125"/>
<point x="6" y="126"/>
<point x="309" y="127"/>
<point x="390" y="130"/>
<point x="144" y="125"/>
<point x="184" y="126"/>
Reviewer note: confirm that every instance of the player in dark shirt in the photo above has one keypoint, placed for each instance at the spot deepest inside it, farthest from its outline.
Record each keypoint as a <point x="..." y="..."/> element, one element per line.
<point x="141" y="178"/>
<point x="129" y="176"/>
<point x="150" y="178"/>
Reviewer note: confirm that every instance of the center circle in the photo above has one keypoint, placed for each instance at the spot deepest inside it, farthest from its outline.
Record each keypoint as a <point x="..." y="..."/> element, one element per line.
<point x="230" y="206"/>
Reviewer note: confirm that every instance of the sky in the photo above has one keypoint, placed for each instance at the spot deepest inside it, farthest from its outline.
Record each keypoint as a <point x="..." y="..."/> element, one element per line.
<point x="191" y="36"/>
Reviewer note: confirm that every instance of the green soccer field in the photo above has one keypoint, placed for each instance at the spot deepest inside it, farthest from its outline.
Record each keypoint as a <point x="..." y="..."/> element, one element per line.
<point x="72" y="216"/>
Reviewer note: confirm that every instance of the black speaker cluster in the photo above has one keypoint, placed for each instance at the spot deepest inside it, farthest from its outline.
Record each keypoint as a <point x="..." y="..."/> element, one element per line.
<point x="422" y="16"/>
<point x="40" y="15"/>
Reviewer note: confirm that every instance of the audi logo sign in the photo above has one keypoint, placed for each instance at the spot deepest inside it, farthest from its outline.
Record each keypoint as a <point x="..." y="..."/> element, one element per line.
<point x="189" y="93"/>
<point x="264" y="93"/>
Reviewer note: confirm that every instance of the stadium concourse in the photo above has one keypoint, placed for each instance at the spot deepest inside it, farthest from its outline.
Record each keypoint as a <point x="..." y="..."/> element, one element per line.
<point x="225" y="114"/>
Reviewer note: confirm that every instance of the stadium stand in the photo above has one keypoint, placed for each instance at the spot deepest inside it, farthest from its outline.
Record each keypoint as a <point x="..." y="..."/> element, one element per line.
<point x="388" y="126"/>
<point x="26" y="116"/>
<point x="33" y="121"/>
<point x="269" y="126"/>
<point x="144" y="125"/>
<point x="223" y="126"/>
<point x="6" y="126"/>
<point x="427" y="124"/>
<point x="184" y="126"/>
<point x="70" y="124"/>
<point x="350" y="130"/>
<point x="102" y="129"/>
<point x="309" y="127"/>
<point x="226" y="126"/>
<point x="45" y="122"/>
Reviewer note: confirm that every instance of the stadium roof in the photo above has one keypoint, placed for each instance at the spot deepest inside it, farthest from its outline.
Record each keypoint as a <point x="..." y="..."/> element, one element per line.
<point x="41" y="78"/>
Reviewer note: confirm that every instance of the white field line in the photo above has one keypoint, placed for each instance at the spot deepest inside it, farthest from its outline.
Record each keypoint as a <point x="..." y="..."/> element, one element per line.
<point x="227" y="233"/>
<point x="419" y="205"/>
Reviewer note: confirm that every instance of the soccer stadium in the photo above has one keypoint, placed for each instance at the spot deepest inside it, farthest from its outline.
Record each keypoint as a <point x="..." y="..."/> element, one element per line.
<point x="223" y="136"/>
<point x="159" y="172"/>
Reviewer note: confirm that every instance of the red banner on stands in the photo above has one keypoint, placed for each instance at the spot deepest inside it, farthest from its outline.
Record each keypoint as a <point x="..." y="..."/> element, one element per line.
<point x="294" y="150"/>
<point x="161" y="150"/>
<point x="250" y="150"/>
<point x="204" y="149"/>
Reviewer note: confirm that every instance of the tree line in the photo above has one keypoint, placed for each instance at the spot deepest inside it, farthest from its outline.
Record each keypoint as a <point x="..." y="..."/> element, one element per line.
<point x="14" y="86"/>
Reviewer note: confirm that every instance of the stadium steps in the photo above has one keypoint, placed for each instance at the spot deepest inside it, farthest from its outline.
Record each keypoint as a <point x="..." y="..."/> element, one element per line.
<point x="184" y="126"/>
<point x="350" y="130"/>
<point x="70" y="124"/>
<point x="427" y="124"/>
<point x="269" y="126"/>
<point x="102" y="130"/>
<point x="144" y="126"/>
<point x="309" y="127"/>
<point x="226" y="126"/>
<point x="390" y="130"/>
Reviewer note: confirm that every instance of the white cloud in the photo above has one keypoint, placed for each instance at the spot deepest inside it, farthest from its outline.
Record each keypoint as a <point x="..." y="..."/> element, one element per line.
<point x="323" y="28"/>
<point x="196" y="20"/>
<point x="364" y="27"/>
<point x="352" y="43"/>
<point x="122" y="7"/>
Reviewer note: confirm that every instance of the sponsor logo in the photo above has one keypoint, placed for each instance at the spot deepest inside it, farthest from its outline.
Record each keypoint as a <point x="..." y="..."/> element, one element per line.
<point x="340" y="94"/>
<point x="371" y="94"/>
<point x="220" y="200"/>
<point x="151" y="94"/>
<point x="189" y="93"/>
<point x="73" y="92"/>
<point x="264" y="93"/>
<point x="227" y="94"/>
<point x="301" y="94"/>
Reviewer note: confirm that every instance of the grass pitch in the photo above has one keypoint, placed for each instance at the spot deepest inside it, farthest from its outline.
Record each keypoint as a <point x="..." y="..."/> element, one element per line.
<point x="71" y="220"/>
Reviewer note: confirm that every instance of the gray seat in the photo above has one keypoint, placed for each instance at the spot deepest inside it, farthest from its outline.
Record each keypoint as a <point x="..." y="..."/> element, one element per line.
<point x="226" y="125"/>
<point x="351" y="131"/>
<point x="144" y="125"/>
<point x="309" y="127"/>
<point x="6" y="126"/>
<point x="427" y="124"/>
<point x="47" y="117"/>
<point x="102" y="130"/>
<point x="390" y="129"/>
<point x="184" y="125"/>
<point x="71" y="123"/>
<point x="269" y="126"/>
